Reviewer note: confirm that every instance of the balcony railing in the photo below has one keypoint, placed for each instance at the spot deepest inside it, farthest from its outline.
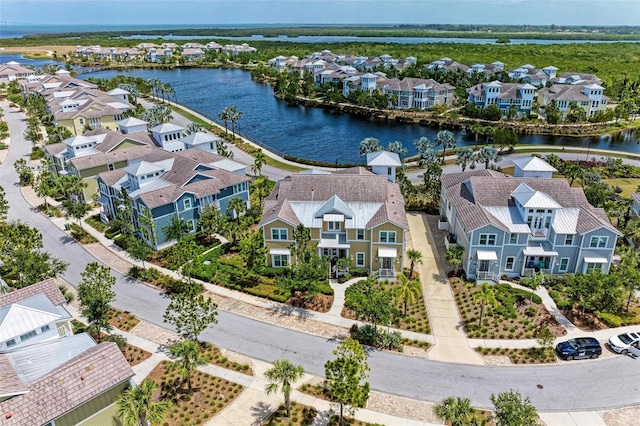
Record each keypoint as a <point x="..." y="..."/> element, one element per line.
<point x="529" y="271"/>
<point x="539" y="233"/>
<point x="383" y="274"/>
<point x="490" y="276"/>
<point x="450" y="240"/>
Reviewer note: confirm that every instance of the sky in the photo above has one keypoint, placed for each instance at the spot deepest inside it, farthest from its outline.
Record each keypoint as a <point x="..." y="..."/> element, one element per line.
<point x="202" y="12"/>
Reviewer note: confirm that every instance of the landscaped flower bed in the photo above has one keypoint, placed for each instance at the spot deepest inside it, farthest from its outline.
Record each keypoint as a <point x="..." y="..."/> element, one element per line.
<point x="522" y="356"/>
<point x="95" y="222"/>
<point x="301" y="415"/>
<point x="209" y="395"/>
<point x="517" y="315"/>
<point x="214" y="356"/>
<point x="135" y="355"/>
<point x="124" y="321"/>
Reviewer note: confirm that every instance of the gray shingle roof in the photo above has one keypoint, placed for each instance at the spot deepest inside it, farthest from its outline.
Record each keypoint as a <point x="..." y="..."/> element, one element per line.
<point x="47" y="287"/>
<point x="350" y="185"/>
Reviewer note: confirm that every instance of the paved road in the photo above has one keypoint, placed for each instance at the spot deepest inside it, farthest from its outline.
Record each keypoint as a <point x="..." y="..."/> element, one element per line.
<point x="577" y="385"/>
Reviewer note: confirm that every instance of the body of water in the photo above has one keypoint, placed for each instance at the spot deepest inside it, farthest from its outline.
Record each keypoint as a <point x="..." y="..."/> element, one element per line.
<point x="17" y="57"/>
<point x="315" y="133"/>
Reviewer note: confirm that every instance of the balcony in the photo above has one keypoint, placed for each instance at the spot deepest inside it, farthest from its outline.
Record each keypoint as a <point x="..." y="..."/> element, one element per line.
<point x="487" y="276"/>
<point x="527" y="272"/>
<point x="539" y="233"/>
<point x="333" y="240"/>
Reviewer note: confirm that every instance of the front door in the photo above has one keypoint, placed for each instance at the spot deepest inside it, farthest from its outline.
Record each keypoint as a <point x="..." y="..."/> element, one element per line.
<point x="484" y="266"/>
<point x="387" y="263"/>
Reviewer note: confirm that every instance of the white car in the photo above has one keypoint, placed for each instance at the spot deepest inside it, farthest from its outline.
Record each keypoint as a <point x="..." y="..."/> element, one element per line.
<point x="634" y="349"/>
<point x="622" y="342"/>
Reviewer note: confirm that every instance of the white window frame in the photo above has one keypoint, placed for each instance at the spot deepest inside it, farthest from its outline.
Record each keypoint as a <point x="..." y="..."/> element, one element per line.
<point x="488" y="237"/>
<point x="360" y="235"/>
<point x="45" y="328"/>
<point x="389" y="236"/>
<point x="28" y="335"/>
<point x="279" y="260"/>
<point x="360" y="259"/>
<point x="186" y="204"/>
<point x="593" y="267"/>
<point x="334" y="226"/>
<point x="566" y="267"/>
<point x="506" y="263"/>
<point x="10" y="343"/>
<point x="191" y="224"/>
<point x="600" y="242"/>
<point x="570" y="238"/>
<point x="277" y="234"/>
<point x="513" y="237"/>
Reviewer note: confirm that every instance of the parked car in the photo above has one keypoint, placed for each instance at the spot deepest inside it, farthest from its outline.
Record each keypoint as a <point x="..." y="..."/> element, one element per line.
<point x="579" y="348"/>
<point x="621" y="342"/>
<point x="634" y="349"/>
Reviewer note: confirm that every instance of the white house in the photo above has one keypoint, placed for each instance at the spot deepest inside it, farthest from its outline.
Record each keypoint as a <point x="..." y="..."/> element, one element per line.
<point x="168" y="136"/>
<point x="384" y="163"/>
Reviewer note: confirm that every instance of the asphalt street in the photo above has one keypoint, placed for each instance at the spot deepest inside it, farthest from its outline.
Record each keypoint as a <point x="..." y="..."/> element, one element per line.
<point x="577" y="385"/>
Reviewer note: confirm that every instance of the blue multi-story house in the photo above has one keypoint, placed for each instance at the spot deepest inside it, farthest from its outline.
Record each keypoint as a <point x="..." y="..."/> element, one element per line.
<point x="504" y="95"/>
<point x="163" y="185"/>
<point x="514" y="226"/>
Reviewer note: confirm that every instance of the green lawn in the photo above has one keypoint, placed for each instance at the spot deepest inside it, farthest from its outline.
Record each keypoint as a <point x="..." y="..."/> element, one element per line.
<point x="628" y="185"/>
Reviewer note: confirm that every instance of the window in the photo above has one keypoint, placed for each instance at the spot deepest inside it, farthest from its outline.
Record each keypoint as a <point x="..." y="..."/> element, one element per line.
<point x="45" y="328"/>
<point x="568" y="240"/>
<point x="564" y="264"/>
<point x="487" y="240"/>
<point x="280" y="260"/>
<point x="360" y="260"/>
<point x="360" y="234"/>
<point x="508" y="266"/>
<point x="10" y="343"/>
<point x="599" y="242"/>
<point x="28" y="335"/>
<point x="389" y="171"/>
<point x="187" y="204"/>
<point x="513" y="238"/>
<point x="191" y="225"/>
<point x="278" y="233"/>
<point x="333" y="226"/>
<point x="387" y="236"/>
<point x="594" y="267"/>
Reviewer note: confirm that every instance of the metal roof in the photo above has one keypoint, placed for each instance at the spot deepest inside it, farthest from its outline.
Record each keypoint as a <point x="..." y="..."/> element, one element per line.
<point x="383" y="158"/>
<point x="534" y="164"/>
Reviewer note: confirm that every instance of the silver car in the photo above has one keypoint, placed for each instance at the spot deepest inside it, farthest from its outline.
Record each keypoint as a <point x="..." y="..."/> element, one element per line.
<point x="621" y="342"/>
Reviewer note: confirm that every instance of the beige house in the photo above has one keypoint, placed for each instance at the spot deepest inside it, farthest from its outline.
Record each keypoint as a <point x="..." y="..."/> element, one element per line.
<point x="96" y="152"/>
<point x="352" y="213"/>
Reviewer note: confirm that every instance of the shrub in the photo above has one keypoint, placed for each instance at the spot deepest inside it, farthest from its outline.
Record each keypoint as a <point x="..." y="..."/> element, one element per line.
<point x="111" y="232"/>
<point x="122" y="241"/>
<point x="3" y="146"/>
<point x="359" y="272"/>
<point x="531" y="311"/>
<point x="611" y="320"/>
<point x="37" y="153"/>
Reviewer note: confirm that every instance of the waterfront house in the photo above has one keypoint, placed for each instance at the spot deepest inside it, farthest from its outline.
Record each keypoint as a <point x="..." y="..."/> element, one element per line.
<point x="212" y="45"/>
<point x="235" y="49"/>
<point x="487" y="69"/>
<point x="418" y="93"/>
<point x="192" y="54"/>
<point x="384" y="163"/>
<point x="169" y="136"/>
<point x="97" y="151"/>
<point x="366" y="82"/>
<point x="530" y="74"/>
<point x="87" y="110"/>
<point x="352" y="213"/>
<point x="65" y="381"/>
<point x="132" y="125"/>
<point x="504" y="95"/>
<point x="46" y="83"/>
<point x="33" y="314"/>
<point x="588" y="97"/>
<point x="162" y="185"/>
<point x="202" y="140"/>
<point x="514" y="226"/>
<point x="446" y="65"/>
<point x="14" y="71"/>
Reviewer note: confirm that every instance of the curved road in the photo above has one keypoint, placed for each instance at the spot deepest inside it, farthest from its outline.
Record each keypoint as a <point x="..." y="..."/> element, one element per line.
<point x="579" y="385"/>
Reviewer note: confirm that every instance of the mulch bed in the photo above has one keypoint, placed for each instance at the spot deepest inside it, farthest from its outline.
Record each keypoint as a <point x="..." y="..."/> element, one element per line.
<point x="124" y="321"/>
<point x="208" y="397"/>
<point x="301" y="415"/>
<point x="319" y="303"/>
<point x="135" y="355"/>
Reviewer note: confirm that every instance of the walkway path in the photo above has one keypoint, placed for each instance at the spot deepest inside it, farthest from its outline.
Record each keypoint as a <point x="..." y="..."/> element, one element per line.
<point x="451" y="343"/>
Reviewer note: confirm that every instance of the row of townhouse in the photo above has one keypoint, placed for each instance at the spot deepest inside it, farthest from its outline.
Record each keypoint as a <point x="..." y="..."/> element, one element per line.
<point x="590" y="97"/>
<point x="151" y="52"/>
<point x="514" y="226"/>
<point x="76" y="104"/>
<point x="355" y="214"/>
<point x="361" y="63"/>
<point x="49" y="375"/>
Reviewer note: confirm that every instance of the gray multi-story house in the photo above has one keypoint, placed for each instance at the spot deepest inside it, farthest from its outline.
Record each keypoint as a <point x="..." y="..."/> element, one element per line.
<point x="513" y="226"/>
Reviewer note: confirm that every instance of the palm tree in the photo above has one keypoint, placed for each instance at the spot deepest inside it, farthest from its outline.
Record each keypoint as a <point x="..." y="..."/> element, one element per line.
<point x="225" y="115"/>
<point x="486" y="155"/>
<point x="238" y="205"/>
<point x="188" y="359"/>
<point x="415" y="256"/>
<point x="454" y="256"/>
<point x="632" y="232"/>
<point x="455" y="411"/>
<point x="407" y="290"/>
<point x="176" y="229"/>
<point x="168" y="90"/>
<point x="447" y="139"/>
<point x="465" y="157"/>
<point x="234" y="118"/>
<point x="485" y="296"/>
<point x="572" y="172"/>
<point x="259" y="160"/>
<point x="154" y="84"/>
<point x="136" y="406"/>
<point x="282" y="375"/>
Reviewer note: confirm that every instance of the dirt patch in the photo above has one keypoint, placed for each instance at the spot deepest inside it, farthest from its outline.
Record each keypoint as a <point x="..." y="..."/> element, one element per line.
<point x="319" y="303"/>
<point x="135" y="355"/>
<point x="587" y="321"/>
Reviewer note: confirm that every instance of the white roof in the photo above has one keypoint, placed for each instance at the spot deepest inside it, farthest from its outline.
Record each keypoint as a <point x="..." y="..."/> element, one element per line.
<point x="539" y="251"/>
<point x="486" y="255"/>
<point x="383" y="158"/>
<point x="594" y="86"/>
<point x="333" y="218"/>
<point x="118" y="105"/>
<point x="314" y="172"/>
<point x="532" y="199"/>
<point x="565" y="221"/>
<point x="62" y="71"/>
<point x="140" y="167"/>
<point x="229" y="165"/>
<point x="27" y="315"/>
<point x="130" y="122"/>
<point x="534" y="164"/>
<point x="199" y="138"/>
<point x="118" y="91"/>
<point x="597" y="259"/>
<point x="362" y="213"/>
<point x="12" y="63"/>
<point x="78" y="140"/>
<point x="166" y="127"/>
<point x="387" y="252"/>
<point x="527" y="86"/>
<point x="510" y="217"/>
